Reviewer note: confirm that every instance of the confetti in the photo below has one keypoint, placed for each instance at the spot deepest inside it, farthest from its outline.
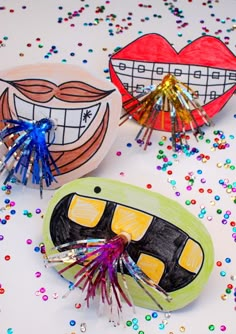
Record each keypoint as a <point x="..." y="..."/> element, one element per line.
<point x="201" y="176"/>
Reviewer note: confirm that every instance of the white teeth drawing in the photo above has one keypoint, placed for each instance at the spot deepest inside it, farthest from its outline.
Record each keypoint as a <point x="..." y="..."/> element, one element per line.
<point x="70" y="123"/>
<point x="136" y="74"/>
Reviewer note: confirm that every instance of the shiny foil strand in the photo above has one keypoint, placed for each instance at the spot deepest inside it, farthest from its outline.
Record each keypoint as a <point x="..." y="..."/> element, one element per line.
<point x="29" y="151"/>
<point x="170" y="96"/>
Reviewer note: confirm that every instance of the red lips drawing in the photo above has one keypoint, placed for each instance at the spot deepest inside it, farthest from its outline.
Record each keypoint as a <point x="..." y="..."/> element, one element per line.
<point x="206" y="65"/>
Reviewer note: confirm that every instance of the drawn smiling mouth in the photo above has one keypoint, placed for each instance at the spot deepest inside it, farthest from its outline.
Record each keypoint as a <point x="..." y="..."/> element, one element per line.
<point x="70" y="123"/>
<point x="206" y="65"/>
<point x="67" y="160"/>
<point x="69" y="129"/>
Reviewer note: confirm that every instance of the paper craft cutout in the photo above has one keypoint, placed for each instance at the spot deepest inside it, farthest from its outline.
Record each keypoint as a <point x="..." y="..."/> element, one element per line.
<point x="206" y="65"/>
<point x="170" y="251"/>
<point x="84" y="108"/>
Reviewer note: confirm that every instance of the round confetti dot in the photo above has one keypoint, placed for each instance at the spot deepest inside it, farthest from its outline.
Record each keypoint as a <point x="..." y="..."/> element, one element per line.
<point x="42" y="249"/>
<point x="55" y="295"/>
<point x="211" y="328"/>
<point x="72" y="323"/>
<point x="224" y="297"/>
<point x="45" y="298"/>
<point x="167" y="315"/>
<point x="165" y="321"/>
<point x="148" y="317"/>
<point x="161" y="326"/>
<point x="83" y="327"/>
<point x="223" y="328"/>
<point x="37" y="274"/>
<point x="154" y="314"/>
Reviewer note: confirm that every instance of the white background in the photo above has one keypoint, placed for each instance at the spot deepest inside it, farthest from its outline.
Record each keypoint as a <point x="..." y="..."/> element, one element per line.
<point x="21" y="310"/>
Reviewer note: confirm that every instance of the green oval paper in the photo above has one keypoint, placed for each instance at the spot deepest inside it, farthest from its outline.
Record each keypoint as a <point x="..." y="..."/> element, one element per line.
<point x="175" y="228"/>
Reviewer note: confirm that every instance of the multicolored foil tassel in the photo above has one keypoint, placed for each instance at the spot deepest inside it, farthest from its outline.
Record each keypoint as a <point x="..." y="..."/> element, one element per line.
<point x="170" y="96"/>
<point x="28" y="151"/>
<point x="101" y="262"/>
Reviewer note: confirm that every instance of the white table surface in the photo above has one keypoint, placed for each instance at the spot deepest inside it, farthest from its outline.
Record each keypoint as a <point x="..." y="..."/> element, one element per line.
<point x="22" y="310"/>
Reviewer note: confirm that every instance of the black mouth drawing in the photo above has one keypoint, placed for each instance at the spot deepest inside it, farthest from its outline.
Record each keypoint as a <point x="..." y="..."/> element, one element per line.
<point x="66" y="228"/>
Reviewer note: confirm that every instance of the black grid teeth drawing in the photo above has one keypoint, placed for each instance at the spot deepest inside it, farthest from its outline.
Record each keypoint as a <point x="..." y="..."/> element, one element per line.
<point x="208" y="82"/>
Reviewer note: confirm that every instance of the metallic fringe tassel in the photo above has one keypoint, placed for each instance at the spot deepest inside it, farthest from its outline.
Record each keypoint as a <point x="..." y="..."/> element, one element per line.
<point x="101" y="260"/>
<point x="170" y="96"/>
<point x="28" y="151"/>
